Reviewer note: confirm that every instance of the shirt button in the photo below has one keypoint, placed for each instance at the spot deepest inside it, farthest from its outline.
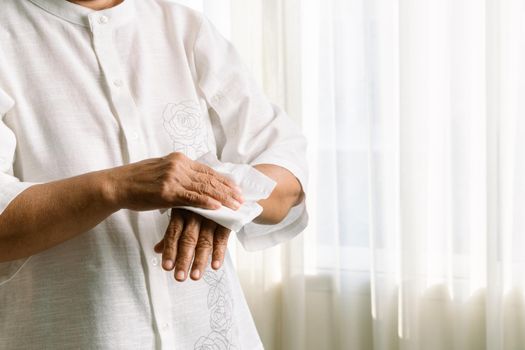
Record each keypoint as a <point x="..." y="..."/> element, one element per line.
<point x="103" y="19"/>
<point x="118" y="82"/>
<point x="154" y="261"/>
<point x="165" y="326"/>
<point x="134" y="135"/>
<point x="217" y="98"/>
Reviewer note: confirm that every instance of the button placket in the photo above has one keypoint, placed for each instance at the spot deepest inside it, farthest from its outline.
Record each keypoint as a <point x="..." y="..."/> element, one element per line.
<point x="128" y="117"/>
<point x="126" y="111"/>
<point x="159" y="294"/>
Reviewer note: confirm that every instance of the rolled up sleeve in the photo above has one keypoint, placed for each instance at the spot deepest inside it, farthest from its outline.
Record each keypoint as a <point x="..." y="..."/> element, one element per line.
<point x="252" y="130"/>
<point x="10" y="186"/>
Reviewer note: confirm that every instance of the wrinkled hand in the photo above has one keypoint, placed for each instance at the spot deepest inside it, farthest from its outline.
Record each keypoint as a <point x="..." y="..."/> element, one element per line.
<point x="167" y="182"/>
<point x="192" y="237"/>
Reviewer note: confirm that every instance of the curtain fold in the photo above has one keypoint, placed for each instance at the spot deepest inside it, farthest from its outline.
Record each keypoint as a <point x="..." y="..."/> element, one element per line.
<point x="414" y="114"/>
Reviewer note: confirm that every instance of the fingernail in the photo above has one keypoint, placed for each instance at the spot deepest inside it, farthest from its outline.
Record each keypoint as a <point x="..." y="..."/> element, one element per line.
<point x="168" y="264"/>
<point x="236" y="205"/>
<point x="180" y="275"/>
<point x="195" y="274"/>
<point x="216" y="264"/>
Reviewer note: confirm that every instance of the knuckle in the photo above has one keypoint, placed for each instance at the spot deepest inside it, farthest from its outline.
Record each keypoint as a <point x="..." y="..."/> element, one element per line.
<point x="202" y="179"/>
<point x="213" y="182"/>
<point x="205" y="243"/>
<point x="209" y="172"/>
<point x="176" y="156"/>
<point x="217" y="194"/>
<point x="183" y="261"/>
<point x="188" y="241"/>
<point x="175" y="165"/>
<point x="176" y="223"/>
<point x="203" y="188"/>
<point x="219" y="245"/>
<point x="218" y="254"/>
<point x="189" y="196"/>
<point x="177" y="228"/>
<point x="174" y="168"/>
<point x="169" y="236"/>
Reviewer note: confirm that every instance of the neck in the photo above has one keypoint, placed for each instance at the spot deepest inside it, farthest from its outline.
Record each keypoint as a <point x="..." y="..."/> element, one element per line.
<point x="97" y="4"/>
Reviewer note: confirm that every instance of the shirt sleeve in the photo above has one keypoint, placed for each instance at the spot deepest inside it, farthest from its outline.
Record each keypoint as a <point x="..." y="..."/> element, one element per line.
<point x="10" y="186"/>
<point x="253" y="130"/>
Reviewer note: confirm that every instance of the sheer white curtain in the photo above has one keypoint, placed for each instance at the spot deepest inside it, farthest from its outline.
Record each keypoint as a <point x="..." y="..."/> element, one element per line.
<point x="414" y="111"/>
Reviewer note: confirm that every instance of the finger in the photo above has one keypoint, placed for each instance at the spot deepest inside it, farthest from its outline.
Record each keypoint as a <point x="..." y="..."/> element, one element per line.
<point x="198" y="200"/>
<point x="203" y="249"/>
<point x="211" y="187"/>
<point x="171" y="238"/>
<point x="186" y="246"/>
<point x="204" y="169"/>
<point x="220" y="245"/>
<point x="207" y="171"/>
<point x="216" y="185"/>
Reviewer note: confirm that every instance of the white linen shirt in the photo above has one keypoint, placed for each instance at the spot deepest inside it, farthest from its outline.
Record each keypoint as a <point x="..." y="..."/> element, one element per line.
<point x="84" y="90"/>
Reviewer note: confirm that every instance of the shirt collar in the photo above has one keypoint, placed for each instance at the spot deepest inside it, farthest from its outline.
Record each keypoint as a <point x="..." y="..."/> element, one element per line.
<point x="81" y="15"/>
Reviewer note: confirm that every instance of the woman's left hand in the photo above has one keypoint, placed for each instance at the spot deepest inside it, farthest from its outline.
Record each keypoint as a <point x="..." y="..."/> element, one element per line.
<point x="189" y="238"/>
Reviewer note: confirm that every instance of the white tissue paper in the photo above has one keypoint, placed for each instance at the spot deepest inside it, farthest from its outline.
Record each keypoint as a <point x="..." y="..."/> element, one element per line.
<point x="254" y="185"/>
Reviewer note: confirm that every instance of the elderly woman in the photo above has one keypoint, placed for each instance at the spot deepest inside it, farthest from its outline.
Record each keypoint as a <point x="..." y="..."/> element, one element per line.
<point x="111" y="113"/>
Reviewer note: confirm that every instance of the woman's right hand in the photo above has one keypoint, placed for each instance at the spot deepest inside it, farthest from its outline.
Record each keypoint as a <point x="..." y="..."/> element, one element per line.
<point x="167" y="182"/>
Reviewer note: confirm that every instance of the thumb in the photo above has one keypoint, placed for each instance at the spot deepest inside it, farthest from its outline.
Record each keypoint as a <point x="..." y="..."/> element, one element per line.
<point x="159" y="247"/>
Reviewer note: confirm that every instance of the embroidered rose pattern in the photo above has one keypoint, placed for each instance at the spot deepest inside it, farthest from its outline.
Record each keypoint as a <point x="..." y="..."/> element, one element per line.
<point x="221" y="318"/>
<point x="220" y="304"/>
<point x="214" y="341"/>
<point x="183" y="122"/>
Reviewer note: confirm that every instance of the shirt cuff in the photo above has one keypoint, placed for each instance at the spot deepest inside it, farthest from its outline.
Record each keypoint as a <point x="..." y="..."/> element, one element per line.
<point x="258" y="237"/>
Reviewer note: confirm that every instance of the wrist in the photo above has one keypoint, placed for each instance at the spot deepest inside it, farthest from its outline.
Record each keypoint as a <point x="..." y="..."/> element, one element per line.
<point x="107" y="188"/>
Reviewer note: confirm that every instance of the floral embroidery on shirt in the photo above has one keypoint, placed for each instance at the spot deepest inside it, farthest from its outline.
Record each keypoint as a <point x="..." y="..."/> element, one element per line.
<point x="220" y="304"/>
<point x="184" y="123"/>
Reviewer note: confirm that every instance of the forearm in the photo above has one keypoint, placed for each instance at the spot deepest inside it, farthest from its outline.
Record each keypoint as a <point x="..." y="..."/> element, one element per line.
<point x="287" y="193"/>
<point x="46" y="215"/>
